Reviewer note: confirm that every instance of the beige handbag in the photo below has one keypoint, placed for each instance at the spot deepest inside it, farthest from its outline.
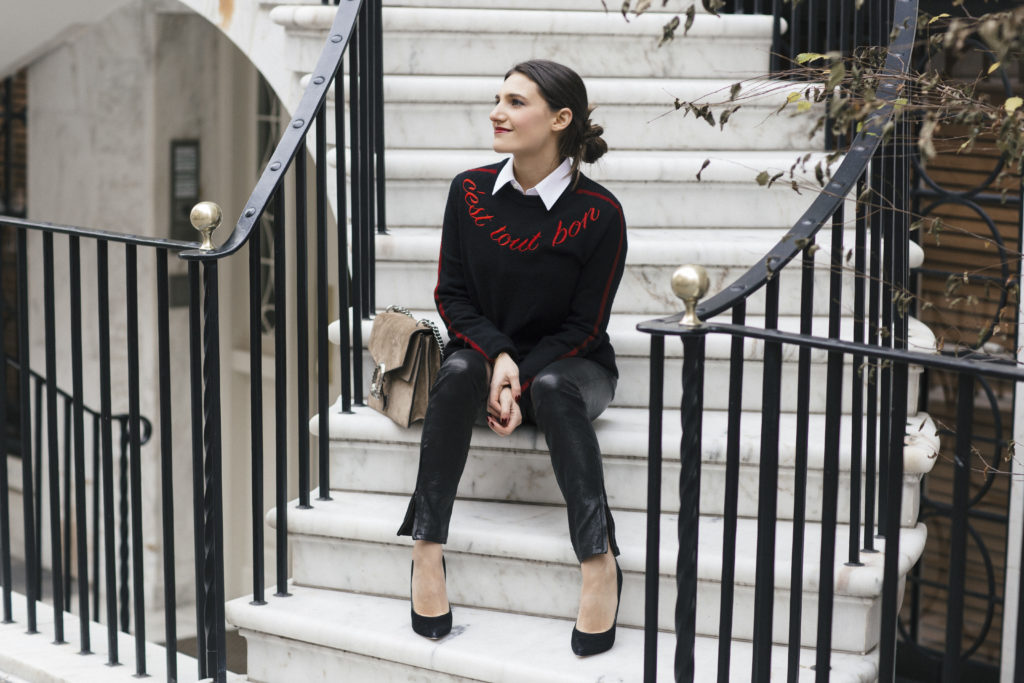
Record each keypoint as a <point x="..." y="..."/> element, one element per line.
<point x="406" y="358"/>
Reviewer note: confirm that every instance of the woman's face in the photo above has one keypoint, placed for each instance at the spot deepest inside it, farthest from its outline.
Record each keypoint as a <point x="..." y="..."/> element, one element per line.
<point x="523" y="123"/>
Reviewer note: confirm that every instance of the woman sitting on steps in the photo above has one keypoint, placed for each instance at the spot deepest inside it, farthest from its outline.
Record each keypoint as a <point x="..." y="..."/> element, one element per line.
<point x="532" y="252"/>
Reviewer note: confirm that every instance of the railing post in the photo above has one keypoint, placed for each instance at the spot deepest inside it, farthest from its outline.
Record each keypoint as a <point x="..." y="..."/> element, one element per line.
<point x="689" y="283"/>
<point x="689" y="503"/>
<point x="206" y="217"/>
<point x="213" y="537"/>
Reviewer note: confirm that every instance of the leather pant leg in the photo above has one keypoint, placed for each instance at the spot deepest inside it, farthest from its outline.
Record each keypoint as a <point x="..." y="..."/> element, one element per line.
<point x="457" y="399"/>
<point x="565" y="397"/>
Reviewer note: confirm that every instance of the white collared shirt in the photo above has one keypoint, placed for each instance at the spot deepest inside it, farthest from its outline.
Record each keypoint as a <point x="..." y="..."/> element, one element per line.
<point x="549" y="189"/>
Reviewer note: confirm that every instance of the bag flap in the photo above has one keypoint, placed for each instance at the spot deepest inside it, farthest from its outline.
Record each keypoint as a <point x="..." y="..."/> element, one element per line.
<point x="390" y="338"/>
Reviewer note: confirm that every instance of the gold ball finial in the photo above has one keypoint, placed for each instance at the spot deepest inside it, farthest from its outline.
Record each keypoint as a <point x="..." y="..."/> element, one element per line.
<point x="205" y="218"/>
<point x="690" y="283"/>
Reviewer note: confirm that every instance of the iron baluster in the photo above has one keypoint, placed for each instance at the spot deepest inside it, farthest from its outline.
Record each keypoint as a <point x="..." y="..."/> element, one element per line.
<point x="356" y="140"/>
<point x="803" y="409"/>
<point x="280" y="396"/>
<point x="830" y="474"/>
<point x="256" y="415"/>
<point x="135" y="457"/>
<point x="731" y="501"/>
<point x="53" y="451"/>
<point x="322" y="349"/>
<point x="653" y="563"/>
<point x="767" y="501"/>
<point x="78" y="390"/>
<point x="166" y="464"/>
<point x="107" y="455"/>
<point x="28" y="503"/>
<point x="302" y="326"/>
<point x="346" y="354"/>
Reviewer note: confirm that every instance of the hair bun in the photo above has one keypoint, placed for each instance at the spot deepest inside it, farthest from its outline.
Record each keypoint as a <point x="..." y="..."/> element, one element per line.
<point x="592" y="145"/>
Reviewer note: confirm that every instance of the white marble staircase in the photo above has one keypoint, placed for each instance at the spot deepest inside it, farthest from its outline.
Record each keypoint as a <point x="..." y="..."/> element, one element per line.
<point x="513" y="578"/>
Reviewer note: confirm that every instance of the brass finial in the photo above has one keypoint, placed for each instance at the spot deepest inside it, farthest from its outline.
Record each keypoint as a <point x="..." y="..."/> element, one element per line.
<point x="205" y="218"/>
<point x="690" y="283"/>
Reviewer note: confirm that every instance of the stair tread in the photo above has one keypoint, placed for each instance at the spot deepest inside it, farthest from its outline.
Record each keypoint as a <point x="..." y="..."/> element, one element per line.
<point x="497" y="646"/>
<point x="622" y="433"/>
<point x="643" y="166"/>
<point x="526" y="21"/>
<point x="629" y="341"/>
<point x="602" y="91"/>
<point x="709" y="246"/>
<point x="538" y="533"/>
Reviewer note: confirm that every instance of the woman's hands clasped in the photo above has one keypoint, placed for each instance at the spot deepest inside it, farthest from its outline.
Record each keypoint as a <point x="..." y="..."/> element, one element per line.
<point x="503" y="413"/>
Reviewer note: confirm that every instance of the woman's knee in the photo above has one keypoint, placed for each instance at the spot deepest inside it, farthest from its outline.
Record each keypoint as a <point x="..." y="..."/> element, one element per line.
<point x="463" y="373"/>
<point x="551" y="390"/>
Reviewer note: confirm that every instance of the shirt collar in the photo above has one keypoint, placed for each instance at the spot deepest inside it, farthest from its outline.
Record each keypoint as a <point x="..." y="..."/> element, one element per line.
<point x="549" y="189"/>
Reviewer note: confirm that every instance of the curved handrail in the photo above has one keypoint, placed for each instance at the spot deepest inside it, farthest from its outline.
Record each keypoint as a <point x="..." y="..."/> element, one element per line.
<point x="843" y="181"/>
<point x="144" y="422"/>
<point x="294" y="137"/>
<point x="96" y="233"/>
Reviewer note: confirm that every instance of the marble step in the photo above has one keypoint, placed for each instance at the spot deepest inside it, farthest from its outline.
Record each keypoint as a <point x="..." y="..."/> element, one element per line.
<point x="565" y="5"/>
<point x="632" y="358"/>
<point x="406" y="269"/>
<point x="656" y="189"/>
<point x="436" y="41"/>
<point x="35" y="657"/>
<point x="368" y="638"/>
<point x="516" y="557"/>
<point x="371" y="453"/>
<point x="636" y="113"/>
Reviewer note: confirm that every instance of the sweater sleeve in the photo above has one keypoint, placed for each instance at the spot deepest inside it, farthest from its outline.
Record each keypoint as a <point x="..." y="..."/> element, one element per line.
<point x="458" y="310"/>
<point x="591" y="304"/>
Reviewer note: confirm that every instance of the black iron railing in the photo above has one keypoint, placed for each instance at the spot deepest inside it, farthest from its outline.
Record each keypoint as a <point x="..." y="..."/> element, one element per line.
<point x="355" y="33"/>
<point x="874" y="171"/>
<point x="78" y="429"/>
<point x="134" y="432"/>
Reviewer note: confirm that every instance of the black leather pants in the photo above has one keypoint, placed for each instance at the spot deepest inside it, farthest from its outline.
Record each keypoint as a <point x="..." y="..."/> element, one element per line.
<point x="562" y="400"/>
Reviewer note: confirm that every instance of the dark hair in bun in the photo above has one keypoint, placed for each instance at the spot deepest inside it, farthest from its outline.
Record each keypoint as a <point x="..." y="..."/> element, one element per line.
<point x="561" y="87"/>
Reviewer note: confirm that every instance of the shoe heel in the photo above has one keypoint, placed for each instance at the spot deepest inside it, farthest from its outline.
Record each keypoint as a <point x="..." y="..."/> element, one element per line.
<point x="586" y="644"/>
<point x="430" y="627"/>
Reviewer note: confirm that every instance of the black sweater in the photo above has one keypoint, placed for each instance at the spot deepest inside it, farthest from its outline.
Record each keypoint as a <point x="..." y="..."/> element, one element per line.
<point x="516" y="277"/>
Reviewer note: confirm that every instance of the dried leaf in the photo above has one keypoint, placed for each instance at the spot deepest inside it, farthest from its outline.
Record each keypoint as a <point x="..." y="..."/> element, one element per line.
<point x="668" y="31"/>
<point x="776" y="177"/>
<point x="805" y="57"/>
<point x="734" y="91"/>
<point x="702" y="167"/>
<point x="691" y="12"/>
<point x="836" y="74"/>
<point x="625" y="9"/>
<point x="803" y="106"/>
<point x="937" y="17"/>
<point x="725" y="115"/>
<point x="763" y="177"/>
<point x="995" y="66"/>
<point x="1012" y="103"/>
<point x="712" y="6"/>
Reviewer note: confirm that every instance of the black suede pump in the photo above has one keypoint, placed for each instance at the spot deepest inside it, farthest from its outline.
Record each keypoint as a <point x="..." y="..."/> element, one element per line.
<point x="431" y="627"/>
<point x="585" y="644"/>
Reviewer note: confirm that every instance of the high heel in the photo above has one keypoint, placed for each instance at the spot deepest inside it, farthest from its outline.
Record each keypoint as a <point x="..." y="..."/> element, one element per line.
<point x="430" y="627"/>
<point x="585" y="644"/>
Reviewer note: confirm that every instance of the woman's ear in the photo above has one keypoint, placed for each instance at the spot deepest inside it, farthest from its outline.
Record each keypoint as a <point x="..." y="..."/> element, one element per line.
<point x="563" y="117"/>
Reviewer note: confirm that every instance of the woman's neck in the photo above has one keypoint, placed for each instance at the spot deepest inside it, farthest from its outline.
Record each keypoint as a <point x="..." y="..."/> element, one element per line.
<point x="528" y="172"/>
